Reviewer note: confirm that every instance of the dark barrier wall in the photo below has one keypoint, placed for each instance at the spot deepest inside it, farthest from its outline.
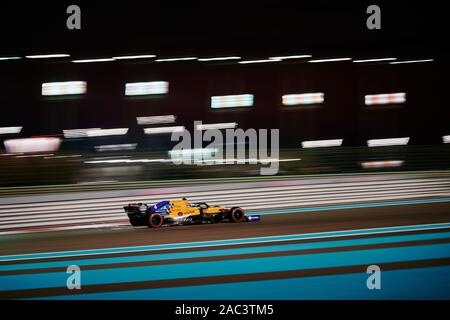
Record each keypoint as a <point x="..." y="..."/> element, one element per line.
<point x="66" y="169"/>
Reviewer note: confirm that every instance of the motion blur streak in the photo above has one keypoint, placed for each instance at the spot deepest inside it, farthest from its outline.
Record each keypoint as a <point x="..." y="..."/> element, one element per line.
<point x="446" y="139"/>
<point x="93" y="60"/>
<point x="374" y="60"/>
<point x="10" y="130"/>
<point x="329" y="60"/>
<point x="107" y="132"/>
<point x="155" y="119"/>
<point x="301" y="56"/>
<point x="143" y="56"/>
<point x="32" y="145"/>
<point x="63" y="88"/>
<point x="146" y="88"/>
<point x="23" y="213"/>
<point x="322" y="143"/>
<point x="301" y="99"/>
<point x="386" y="98"/>
<point x="219" y="59"/>
<point x="388" y="142"/>
<point x="47" y="56"/>
<point x="176" y="59"/>
<point x="412" y="61"/>
<point x="258" y="61"/>
<point x="10" y="58"/>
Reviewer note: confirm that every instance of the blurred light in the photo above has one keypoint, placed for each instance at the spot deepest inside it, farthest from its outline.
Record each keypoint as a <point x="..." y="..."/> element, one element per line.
<point x="63" y="88"/>
<point x="143" y="56"/>
<point x="176" y="59"/>
<point x="127" y="161"/>
<point x="269" y="160"/>
<point x="382" y="164"/>
<point x="107" y="132"/>
<point x="304" y="98"/>
<point x="374" y="60"/>
<point x="116" y="147"/>
<point x="9" y="58"/>
<point x="10" y="154"/>
<point x="242" y="161"/>
<point x="225" y="125"/>
<point x="36" y="155"/>
<point x="388" y="142"/>
<point x="145" y="160"/>
<point x="446" y="139"/>
<point x="10" y="130"/>
<point x="386" y="98"/>
<point x="64" y="157"/>
<point x="259" y="61"/>
<point x="232" y="101"/>
<point x="77" y="133"/>
<point x="322" y="143"/>
<point x="190" y="154"/>
<point x="93" y="60"/>
<point x="156" y="119"/>
<point x="98" y="182"/>
<point x="412" y="61"/>
<point x="47" y="56"/>
<point x="330" y="60"/>
<point x="291" y="57"/>
<point x="113" y="157"/>
<point x="32" y="145"/>
<point x="106" y="161"/>
<point x="219" y="58"/>
<point x="164" y="130"/>
<point x="146" y="88"/>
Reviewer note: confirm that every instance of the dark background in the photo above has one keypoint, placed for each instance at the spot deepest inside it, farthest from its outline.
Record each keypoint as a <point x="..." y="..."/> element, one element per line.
<point x="256" y="29"/>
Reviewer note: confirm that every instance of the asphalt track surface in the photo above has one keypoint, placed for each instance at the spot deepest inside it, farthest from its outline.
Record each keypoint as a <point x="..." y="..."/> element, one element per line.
<point x="293" y="253"/>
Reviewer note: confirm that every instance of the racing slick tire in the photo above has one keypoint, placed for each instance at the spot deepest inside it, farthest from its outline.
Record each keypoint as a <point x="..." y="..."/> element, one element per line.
<point x="135" y="222"/>
<point x="236" y="215"/>
<point x="155" y="220"/>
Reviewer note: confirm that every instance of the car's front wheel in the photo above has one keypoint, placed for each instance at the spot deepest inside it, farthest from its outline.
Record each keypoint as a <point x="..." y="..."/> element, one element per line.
<point x="236" y="215"/>
<point x="155" y="220"/>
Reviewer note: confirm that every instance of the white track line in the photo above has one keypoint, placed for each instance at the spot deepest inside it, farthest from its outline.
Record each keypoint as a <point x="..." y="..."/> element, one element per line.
<point x="233" y="194"/>
<point x="240" y="191"/>
<point x="241" y="201"/>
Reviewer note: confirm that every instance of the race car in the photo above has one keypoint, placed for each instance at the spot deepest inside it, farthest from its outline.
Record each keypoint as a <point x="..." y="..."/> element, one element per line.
<point x="177" y="212"/>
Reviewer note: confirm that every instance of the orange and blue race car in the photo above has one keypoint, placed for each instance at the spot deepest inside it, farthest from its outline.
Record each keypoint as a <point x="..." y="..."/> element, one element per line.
<point x="179" y="212"/>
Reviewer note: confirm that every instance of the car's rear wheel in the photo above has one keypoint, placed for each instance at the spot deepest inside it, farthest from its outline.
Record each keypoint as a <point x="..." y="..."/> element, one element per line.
<point x="236" y="215"/>
<point x="135" y="222"/>
<point x="155" y="220"/>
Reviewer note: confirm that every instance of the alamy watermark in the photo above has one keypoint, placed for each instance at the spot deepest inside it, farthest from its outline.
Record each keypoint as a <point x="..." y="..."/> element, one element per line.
<point x="374" y="20"/>
<point x="73" y="22"/>
<point x="250" y="146"/>
<point x="374" y="280"/>
<point x="74" y="280"/>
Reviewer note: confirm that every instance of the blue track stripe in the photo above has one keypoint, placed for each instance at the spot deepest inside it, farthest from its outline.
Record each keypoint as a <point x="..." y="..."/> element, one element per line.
<point x="225" y="252"/>
<point x="353" y="206"/>
<point x="421" y="283"/>
<point x="229" y="267"/>
<point x="224" y="242"/>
